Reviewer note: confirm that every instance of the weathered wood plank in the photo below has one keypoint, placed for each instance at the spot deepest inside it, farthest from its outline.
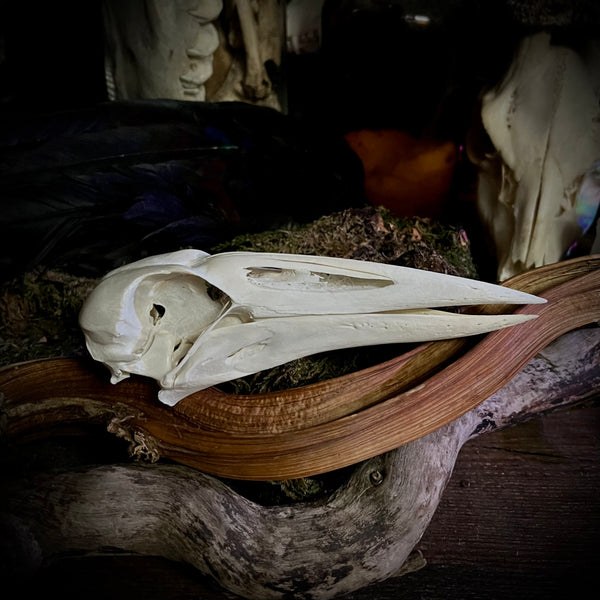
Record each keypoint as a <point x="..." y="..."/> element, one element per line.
<point x="527" y="496"/>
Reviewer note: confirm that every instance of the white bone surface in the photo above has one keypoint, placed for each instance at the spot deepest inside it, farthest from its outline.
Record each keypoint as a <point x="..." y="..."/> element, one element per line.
<point x="188" y="49"/>
<point x="544" y="123"/>
<point x="191" y="320"/>
<point x="157" y="49"/>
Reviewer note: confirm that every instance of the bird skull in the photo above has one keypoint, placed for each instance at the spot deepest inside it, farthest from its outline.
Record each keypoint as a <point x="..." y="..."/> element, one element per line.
<point x="191" y="320"/>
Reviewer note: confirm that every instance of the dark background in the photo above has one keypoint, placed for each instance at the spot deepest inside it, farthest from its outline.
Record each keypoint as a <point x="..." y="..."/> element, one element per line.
<point x="520" y="515"/>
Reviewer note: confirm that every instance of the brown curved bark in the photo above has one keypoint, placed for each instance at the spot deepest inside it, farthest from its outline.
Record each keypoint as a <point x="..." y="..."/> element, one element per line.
<point x="43" y="395"/>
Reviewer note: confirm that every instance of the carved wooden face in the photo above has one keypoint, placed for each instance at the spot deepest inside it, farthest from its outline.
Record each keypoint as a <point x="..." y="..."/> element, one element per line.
<point x="191" y="320"/>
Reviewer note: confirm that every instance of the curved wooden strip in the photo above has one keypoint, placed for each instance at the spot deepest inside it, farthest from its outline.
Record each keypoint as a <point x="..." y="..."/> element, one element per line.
<point x="365" y="530"/>
<point x="131" y="410"/>
<point x="311" y="405"/>
<point x="295" y="409"/>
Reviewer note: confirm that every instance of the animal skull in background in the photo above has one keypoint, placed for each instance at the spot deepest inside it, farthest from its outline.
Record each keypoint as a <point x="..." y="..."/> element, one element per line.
<point x="544" y="123"/>
<point x="158" y="49"/>
<point x="191" y="320"/>
<point x="215" y="50"/>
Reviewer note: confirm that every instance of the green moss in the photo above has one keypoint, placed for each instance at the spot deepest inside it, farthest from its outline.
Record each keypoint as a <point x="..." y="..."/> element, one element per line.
<point x="301" y="490"/>
<point x="39" y="316"/>
<point x="364" y="234"/>
<point x="39" y="311"/>
<point x="369" y="234"/>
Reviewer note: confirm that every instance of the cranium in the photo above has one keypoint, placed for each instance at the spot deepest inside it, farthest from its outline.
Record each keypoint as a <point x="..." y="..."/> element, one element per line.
<point x="189" y="49"/>
<point x="543" y="121"/>
<point x="191" y="320"/>
<point x="160" y="49"/>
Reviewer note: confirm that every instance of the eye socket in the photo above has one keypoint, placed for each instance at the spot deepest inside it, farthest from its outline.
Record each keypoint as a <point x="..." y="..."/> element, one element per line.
<point x="157" y="312"/>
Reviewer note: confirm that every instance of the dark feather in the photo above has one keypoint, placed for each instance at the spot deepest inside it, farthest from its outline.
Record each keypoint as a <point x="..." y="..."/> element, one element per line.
<point x="93" y="188"/>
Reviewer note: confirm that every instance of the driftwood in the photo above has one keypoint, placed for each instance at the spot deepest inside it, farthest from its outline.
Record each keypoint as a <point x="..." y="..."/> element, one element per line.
<point x="363" y="533"/>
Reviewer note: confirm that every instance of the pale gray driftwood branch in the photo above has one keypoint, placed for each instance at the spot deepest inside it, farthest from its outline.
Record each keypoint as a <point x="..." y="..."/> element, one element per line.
<point x="361" y="535"/>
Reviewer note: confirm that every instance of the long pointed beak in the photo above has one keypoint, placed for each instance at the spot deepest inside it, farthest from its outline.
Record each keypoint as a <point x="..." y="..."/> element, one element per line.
<point x="280" y="307"/>
<point x="288" y="284"/>
<point x="238" y="350"/>
<point x="291" y="306"/>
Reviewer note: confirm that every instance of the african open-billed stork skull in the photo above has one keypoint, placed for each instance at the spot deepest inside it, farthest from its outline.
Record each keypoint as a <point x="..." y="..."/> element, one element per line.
<point x="191" y="320"/>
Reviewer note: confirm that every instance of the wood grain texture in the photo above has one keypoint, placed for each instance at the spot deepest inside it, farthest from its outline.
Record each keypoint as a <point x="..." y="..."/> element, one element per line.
<point x="361" y="535"/>
<point x="544" y="472"/>
<point x="558" y="456"/>
<point x="39" y="396"/>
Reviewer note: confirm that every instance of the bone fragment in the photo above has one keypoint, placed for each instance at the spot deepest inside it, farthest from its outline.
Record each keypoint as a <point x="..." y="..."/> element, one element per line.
<point x="158" y="49"/>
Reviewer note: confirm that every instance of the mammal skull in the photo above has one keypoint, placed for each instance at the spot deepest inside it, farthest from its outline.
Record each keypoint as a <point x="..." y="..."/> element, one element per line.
<point x="160" y="49"/>
<point x="194" y="50"/>
<point x="544" y="123"/>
